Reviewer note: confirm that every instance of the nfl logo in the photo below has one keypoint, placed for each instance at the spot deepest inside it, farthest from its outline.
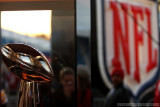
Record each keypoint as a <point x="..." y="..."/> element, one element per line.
<point x="128" y="38"/>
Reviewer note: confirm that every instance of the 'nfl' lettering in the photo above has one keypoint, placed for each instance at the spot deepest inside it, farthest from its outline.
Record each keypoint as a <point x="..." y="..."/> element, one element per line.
<point x="122" y="38"/>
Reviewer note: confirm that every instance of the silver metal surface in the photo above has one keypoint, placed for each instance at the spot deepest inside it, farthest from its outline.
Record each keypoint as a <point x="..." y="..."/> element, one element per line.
<point x="31" y="66"/>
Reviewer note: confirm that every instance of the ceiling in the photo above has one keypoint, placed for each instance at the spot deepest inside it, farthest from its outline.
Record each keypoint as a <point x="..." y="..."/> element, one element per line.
<point x="7" y="5"/>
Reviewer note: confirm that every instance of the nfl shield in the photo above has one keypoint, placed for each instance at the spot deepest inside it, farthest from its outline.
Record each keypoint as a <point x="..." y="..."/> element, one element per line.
<point x="127" y="37"/>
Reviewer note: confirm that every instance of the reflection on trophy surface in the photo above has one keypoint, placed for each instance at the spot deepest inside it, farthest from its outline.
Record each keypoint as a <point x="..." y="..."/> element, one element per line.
<point x="31" y="66"/>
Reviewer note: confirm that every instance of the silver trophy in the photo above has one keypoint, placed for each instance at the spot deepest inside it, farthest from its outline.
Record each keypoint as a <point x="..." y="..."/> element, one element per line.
<point x="31" y="66"/>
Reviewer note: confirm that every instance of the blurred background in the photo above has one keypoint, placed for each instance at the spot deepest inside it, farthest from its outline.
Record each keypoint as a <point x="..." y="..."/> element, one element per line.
<point x="67" y="36"/>
<point x="66" y="33"/>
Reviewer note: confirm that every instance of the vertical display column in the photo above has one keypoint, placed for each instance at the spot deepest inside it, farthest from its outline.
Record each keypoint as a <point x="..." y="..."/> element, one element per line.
<point x="63" y="39"/>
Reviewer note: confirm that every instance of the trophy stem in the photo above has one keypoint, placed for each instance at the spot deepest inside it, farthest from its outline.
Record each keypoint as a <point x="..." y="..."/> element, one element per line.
<point x="29" y="94"/>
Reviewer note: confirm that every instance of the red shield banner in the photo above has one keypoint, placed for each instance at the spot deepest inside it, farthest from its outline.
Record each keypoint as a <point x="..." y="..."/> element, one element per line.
<point x="128" y="38"/>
